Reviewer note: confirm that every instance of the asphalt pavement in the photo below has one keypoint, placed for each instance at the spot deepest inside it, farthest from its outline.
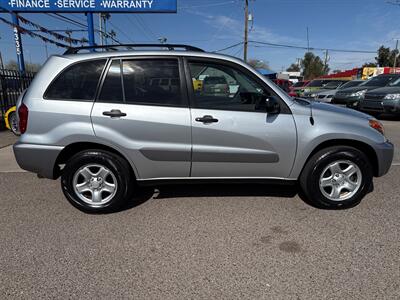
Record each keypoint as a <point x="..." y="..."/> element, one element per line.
<point x="199" y="242"/>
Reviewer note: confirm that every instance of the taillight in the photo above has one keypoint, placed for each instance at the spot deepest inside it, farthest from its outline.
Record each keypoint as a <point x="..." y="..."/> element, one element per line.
<point x="23" y="117"/>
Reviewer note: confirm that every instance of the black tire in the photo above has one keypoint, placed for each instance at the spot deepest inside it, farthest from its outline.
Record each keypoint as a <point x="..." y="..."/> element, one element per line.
<point x="13" y="121"/>
<point x="312" y="172"/>
<point x="121" y="173"/>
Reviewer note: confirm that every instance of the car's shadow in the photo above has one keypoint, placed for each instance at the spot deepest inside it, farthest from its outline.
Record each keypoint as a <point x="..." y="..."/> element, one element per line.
<point x="143" y="194"/>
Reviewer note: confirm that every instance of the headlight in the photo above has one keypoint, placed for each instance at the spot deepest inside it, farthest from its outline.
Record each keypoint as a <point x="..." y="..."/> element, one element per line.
<point x="359" y="94"/>
<point x="392" y="97"/>
<point x="375" y="124"/>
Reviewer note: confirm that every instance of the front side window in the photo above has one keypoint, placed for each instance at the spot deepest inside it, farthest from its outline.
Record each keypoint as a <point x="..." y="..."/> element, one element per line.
<point x="223" y="87"/>
<point x="78" y="82"/>
<point x="152" y="82"/>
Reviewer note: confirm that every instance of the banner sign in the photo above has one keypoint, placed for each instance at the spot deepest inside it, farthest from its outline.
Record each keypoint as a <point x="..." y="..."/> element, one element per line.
<point x="94" y="6"/>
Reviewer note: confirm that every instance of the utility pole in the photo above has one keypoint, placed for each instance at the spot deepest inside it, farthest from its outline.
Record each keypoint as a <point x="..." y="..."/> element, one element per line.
<point x="308" y="41"/>
<point x="396" y="54"/>
<point x="101" y="29"/>
<point x="326" y="60"/>
<point x="246" y="30"/>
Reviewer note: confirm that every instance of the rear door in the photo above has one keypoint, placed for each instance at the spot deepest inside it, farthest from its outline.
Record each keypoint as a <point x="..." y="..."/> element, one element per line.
<point x="233" y="136"/>
<point x="142" y="109"/>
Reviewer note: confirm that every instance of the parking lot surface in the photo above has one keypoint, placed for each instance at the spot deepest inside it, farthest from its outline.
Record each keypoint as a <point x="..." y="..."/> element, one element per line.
<point x="228" y="241"/>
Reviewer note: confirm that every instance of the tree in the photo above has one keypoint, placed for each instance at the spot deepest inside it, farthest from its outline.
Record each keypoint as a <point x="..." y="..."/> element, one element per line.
<point x="386" y="57"/>
<point x="369" y="65"/>
<point x="13" y="65"/>
<point x="293" y="68"/>
<point x="258" y="64"/>
<point x="313" y="66"/>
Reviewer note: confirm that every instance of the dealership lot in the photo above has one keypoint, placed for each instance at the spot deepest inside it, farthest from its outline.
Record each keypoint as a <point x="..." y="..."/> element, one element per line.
<point x="248" y="241"/>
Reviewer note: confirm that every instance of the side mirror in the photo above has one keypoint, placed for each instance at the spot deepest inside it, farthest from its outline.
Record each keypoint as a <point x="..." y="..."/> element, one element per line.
<point x="272" y="105"/>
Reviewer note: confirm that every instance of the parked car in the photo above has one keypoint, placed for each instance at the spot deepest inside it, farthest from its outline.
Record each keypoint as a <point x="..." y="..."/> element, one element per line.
<point x="313" y="86"/>
<point x="11" y="120"/>
<point x="95" y="120"/>
<point x="382" y="100"/>
<point x="294" y="90"/>
<point x="284" y="84"/>
<point x="331" y="85"/>
<point x="329" y="91"/>
<point x="352" y="96"/>
<point x="215" y="85"/>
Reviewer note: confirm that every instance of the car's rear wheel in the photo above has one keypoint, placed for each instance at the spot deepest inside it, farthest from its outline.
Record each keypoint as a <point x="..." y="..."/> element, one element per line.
<point x="13" y="121"/>
<point x="97" y="181"/>
<point x="337" y="177"/>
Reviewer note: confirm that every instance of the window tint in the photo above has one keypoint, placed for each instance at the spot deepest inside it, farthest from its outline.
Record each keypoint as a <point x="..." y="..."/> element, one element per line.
<point x="112" y="86"/>
<point x="221" y="87"/>
<point x="78" y="82"/>
<point x="152" y="81"/>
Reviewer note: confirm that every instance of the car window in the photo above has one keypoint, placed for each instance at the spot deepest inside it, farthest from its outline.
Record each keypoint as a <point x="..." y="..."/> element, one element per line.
<point x="379" y="81"/>
<point x="221" y="87"/>
<point x="112" y="86"/>
<point x="152" y="82"/>
<point x="316" y="83"/>
<point x="78" y="82"/>
<point x="350" y="84"/>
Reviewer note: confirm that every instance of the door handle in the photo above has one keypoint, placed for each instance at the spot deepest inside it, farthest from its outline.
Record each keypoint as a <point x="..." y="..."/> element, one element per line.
<point x="206" y="119"/>
<point x="114" y="113"/>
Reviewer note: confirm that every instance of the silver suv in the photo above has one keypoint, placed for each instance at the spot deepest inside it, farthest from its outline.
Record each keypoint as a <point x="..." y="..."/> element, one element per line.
<point x="110" y="121"/>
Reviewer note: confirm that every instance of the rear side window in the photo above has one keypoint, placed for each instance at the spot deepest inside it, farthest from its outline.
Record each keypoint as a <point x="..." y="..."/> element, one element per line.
<point x="77" y="82"/>
<point x="112" y="86"/>
<point x="152" y="82"/>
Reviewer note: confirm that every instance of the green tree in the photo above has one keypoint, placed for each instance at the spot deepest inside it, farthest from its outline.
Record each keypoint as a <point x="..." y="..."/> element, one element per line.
<point x="386" y="57"/>
<point x="13" y="65"/>
<point x="313" y="66"/>
<point x="258" y="64"/>
<point x="293" y="68"/>
<point x="369" y="65"/>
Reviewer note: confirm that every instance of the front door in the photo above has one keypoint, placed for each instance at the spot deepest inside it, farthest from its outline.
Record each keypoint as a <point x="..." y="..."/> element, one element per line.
<point x="232" y="135"/>
<point x="142" y="110"/>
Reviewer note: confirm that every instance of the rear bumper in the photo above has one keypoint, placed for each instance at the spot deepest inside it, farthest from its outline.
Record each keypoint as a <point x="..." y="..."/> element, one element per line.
<point x="384" y="153"/>
<point x="39" y="159"/>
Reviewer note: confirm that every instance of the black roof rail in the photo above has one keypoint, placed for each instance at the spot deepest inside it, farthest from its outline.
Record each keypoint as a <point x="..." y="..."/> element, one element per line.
<point x="171" y="47"/>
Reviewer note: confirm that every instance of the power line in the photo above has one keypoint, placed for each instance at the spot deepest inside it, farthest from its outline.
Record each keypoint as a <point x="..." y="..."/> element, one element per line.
<point x="229" y="47"/>
<point x="312" y="48"/>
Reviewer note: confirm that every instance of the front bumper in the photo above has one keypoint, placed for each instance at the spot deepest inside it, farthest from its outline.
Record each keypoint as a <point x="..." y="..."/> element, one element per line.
<point x="381" y="106"/>
<point x="39" y="159"/>
<point x="384" y="153"/>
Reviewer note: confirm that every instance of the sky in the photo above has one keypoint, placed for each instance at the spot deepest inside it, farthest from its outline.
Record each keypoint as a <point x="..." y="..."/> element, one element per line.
<point x="216" y="24"/>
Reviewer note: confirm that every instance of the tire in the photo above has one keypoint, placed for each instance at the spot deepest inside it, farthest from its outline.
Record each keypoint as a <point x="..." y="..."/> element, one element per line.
<point x="321" y="179"/>
<point x="97" y="181"/>
<point x="13" y="121"/>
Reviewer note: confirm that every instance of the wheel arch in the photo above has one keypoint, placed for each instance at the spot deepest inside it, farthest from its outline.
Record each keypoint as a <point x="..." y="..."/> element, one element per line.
<point x="74" y="148"/>
<point x="7" y="114"/>
<point x="362" y="146"/>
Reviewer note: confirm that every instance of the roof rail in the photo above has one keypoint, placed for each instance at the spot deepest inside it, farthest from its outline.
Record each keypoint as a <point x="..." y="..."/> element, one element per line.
<point x="75" y="50"/>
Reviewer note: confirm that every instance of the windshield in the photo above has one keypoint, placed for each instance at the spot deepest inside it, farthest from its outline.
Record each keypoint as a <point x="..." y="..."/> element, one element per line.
<point x="333" y="84"/>
<point x="316" y="83"/>
<point x="298" y="84"/>
<point x="351" y="84"/>
<point x="395" y="82"/>
<point x="379" y="81"/>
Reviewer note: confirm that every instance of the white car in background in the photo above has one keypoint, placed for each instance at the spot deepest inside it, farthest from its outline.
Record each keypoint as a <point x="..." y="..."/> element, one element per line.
<point x="327" y="94"/>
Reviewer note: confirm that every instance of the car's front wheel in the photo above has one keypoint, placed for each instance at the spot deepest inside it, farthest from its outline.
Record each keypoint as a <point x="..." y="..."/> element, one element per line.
<point x="96" y="181"/>
<point x="337" y="177"/>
